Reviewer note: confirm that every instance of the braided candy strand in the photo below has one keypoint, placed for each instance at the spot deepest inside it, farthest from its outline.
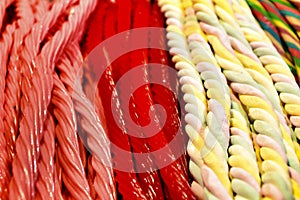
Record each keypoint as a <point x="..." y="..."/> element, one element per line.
<point x="5" y="44"/>
<point x="208" y="133"/>
<point x="290" y="13"/>
<point x="231" y="72"/>
<point x="196" y="105"/>
<point x="103" y="180"/>
<point x="282" y="79"/>
<point x="44" y="60"/>
<point x="215" y="84"/>
<point x="13" y="76"/>
<point x="240" y="140"/>
<point x="285" y="77"/>
<point x="286" y="32"/>
<point x="266" y="23"/>
<point x="45" y="184"/>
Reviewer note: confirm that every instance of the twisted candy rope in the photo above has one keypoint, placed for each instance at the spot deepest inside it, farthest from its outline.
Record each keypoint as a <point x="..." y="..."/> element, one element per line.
<point x="29" y="126"/>
<point x="5" y="44"/>
<point x="251" y="98"/>
<point x="103" y="181"/>
<point x="68" y="148"/>
<point x="265" y="22"/>
<point x="286" y="32"/>
<point x="215" y="84"/>
<point x="189" y="88"/>
<point x="290" y="13"/>
<point x="13" y="76"/>
<point x="196" y="104"/>
<point x="46" y="166"/>
<point x="280" y="79"/>
<point x="241" y="141"/>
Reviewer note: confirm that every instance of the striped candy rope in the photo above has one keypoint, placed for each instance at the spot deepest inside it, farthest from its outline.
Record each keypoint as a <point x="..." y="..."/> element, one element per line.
<point x="271" y="31"/>
<point x="290" y="13"/>
<point x="240" y="138"/>
<point x="214" y="155"/>
<point x="250" y="98"/>
<point x="219" y="99"/>
<point x="291" y="39"/>
<point x="277" y="78"/>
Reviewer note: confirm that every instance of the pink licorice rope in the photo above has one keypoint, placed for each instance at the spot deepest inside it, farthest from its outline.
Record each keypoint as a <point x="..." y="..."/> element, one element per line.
<point x="35" y="93"/>
<point x="46" y="166"/>
<point x="13" y="76"/>
<point x="68" y="148"/>
<point x="5" y="46"/>
<point x="103" y="183"/>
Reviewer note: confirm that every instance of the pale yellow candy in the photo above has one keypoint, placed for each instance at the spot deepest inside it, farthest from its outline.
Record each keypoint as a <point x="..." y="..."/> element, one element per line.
<point x="296" y="189"/>
<point x="198" y="110"/>
<point x="292" y="109"/>
<point x="261" y="114"/>
<point x="190" y="73"/>
<point x="208" y="19"/>
<point x="173" y="14"/>
<point x="269" y="59"/>
<point x="173" y="28"/>
<point x="287" y="88"/>
<point x="194" y="154"/>
<point x="273" y="132"/>
<point x="194" y="137"/>
<point x="185" y="65"/>
<point x="239" y="77"/>
<point x="230" y="30"/>
<point x="212" y="161"/>
<point x="221" y="50"/>
<point x="277" y="180"/>
<point x="256" y="102"/>
<point x="261" y="51"/>
<point x="276" y="68"/>
<point x="238" y="124"/>
<point x="270" y="165"/>
<point x="238" y="149"/>
<point x="244" y="189"/>
<point x="239" y="140"/>
<point x="241" y="162"/>
<point x="266" y="86"/>
<point x="196" y="172"/>
<point x="270" y="154"/>
<point x="249" y="63"/>
<point x="205" y="6"/>
<point x="289" y="98"/>
<point x="172" y="2"/>
<point x="228" y="65"/>
<point x="209" y="196"/>
<point x="201" y="55"/>
<point x="238" y="197"/>
<point x="237" y="115"/>
<point x="191" y="89"/>
<point x="167" y="7"/>
<point x="178" y="58"/>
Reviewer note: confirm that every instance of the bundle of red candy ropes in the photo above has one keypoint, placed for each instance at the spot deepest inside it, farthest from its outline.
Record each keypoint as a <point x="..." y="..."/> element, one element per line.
<point x="43" y="45"/>
<point x="68" y="133"/>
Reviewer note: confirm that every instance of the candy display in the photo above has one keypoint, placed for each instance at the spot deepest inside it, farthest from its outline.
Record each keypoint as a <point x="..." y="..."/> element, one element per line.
<point x="150" y="99"/>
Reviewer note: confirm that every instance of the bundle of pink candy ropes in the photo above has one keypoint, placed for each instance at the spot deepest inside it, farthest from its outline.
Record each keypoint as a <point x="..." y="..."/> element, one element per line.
<point x="43" y="46"/>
